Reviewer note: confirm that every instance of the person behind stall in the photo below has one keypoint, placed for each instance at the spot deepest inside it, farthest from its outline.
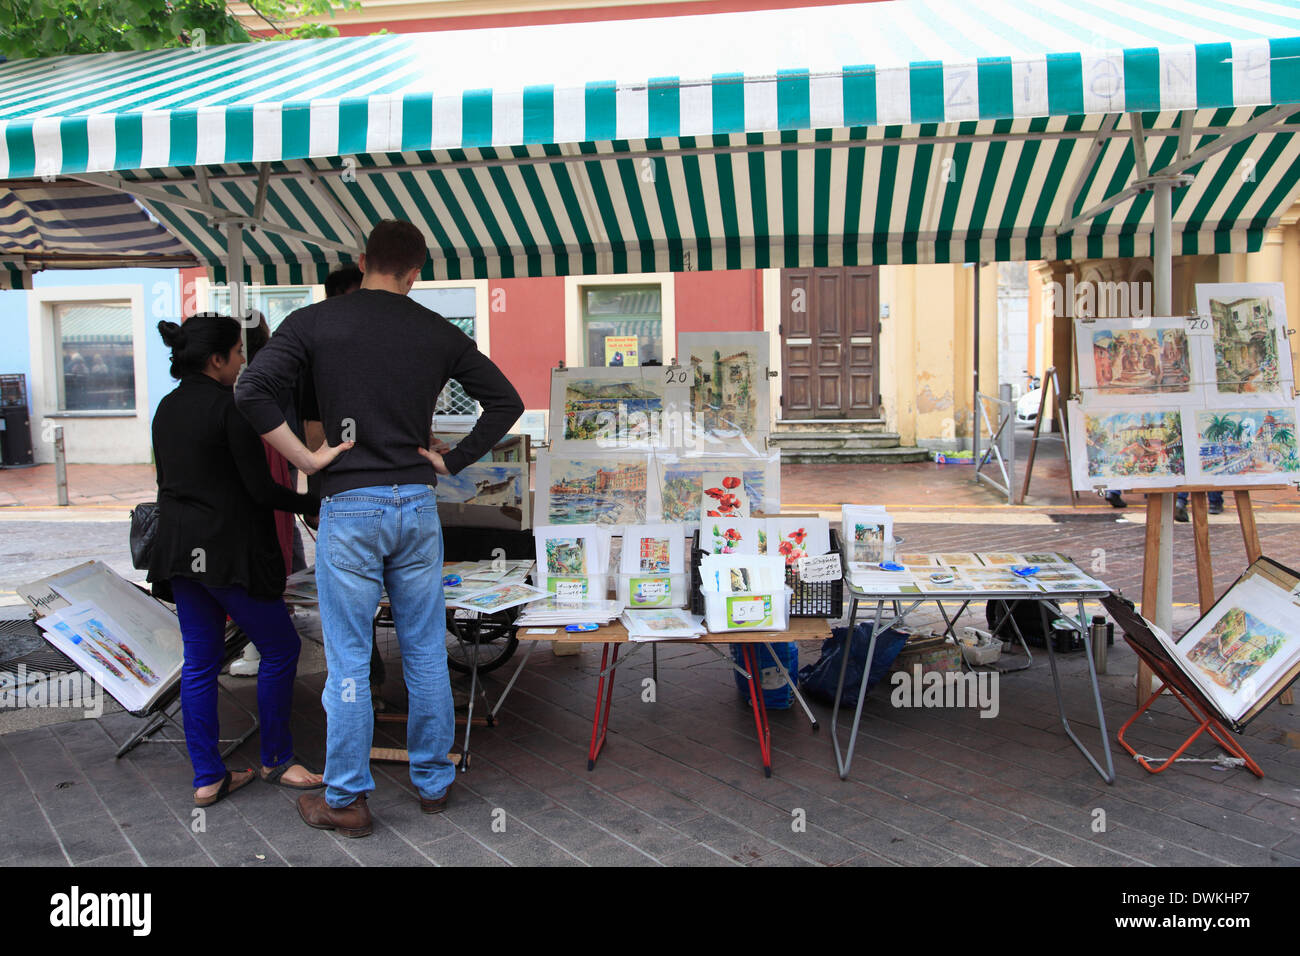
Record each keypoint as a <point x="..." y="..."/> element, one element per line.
<point x="286" y="528"/>
<point x="216" y="546"/>
<point x="379" y="360"/>
<point x="1180" y="504"/>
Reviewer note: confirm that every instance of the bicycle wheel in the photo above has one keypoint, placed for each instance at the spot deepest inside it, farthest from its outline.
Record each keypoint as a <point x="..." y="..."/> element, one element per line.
<point x="492" y="638"/>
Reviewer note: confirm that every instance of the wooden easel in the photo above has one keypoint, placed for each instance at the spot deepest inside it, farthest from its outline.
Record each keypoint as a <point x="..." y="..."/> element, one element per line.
<point x="1200" y="515"/>
<point x="1050" y="376"/>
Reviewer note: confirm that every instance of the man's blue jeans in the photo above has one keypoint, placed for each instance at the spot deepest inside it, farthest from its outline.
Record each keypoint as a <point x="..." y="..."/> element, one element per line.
<point x="1215" y="498"/>
<point x="371" y="539"/>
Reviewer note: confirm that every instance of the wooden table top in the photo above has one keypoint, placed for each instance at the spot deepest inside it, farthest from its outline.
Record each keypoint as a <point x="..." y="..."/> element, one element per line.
<point x="801" y="629"/>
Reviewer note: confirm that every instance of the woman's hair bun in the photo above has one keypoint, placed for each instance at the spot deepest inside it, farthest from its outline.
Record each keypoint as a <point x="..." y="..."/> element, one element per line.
<point x="173" y="334"/>
<point x="201" y="337"/>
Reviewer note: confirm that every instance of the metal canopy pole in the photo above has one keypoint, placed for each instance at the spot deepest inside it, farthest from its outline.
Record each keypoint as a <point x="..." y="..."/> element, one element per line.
<point x="1163" y="272"/>
<point x="235" y="276"/>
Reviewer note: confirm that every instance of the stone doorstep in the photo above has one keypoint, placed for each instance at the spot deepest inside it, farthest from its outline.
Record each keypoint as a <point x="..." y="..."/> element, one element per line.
<point x="822" y="456"/>
<point x="800" y="441"/>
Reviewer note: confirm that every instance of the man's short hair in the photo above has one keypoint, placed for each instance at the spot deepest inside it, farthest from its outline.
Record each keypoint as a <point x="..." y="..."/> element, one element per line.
<point x="395" y="247"/>
<point x="341" y="281"/>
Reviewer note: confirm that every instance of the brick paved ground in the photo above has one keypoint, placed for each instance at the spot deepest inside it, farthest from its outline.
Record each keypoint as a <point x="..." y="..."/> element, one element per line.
<point x="680" y="783"/>
<point x="680" y="780"/>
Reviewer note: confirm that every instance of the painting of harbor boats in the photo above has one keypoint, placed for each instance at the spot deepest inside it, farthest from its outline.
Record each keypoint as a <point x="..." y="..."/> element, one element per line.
<point x="595" y="489"/>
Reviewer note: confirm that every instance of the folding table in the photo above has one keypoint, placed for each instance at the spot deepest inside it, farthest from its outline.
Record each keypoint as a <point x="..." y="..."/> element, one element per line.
<point x="614" y="636"/>
<point x="1045" y="600"/>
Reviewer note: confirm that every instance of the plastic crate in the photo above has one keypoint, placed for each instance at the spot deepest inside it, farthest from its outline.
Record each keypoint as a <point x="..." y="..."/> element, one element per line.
<point x="824" y="599"/>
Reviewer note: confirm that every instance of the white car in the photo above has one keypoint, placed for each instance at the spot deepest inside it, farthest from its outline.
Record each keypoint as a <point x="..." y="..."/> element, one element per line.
<point x="1027" y="407"/>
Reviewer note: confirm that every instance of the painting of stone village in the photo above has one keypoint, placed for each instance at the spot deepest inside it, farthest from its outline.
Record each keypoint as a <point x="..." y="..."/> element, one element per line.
<point x="1235" y="648"/>
<point x="724" y="388"/>
<point x="1135" y="444"/>
<point x="1248" y="442"/>
<point x="1142" y="361"/>
<point x="1245" y="346"/>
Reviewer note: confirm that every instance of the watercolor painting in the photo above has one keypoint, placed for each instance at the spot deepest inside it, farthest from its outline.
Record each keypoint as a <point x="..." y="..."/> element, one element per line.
<point x="485" y="494"/>
<point x="795" y="538"/>
<point x="594" y="490"/>
<point x="1245" y="345"/>
<point x="1134" y="444"/>
<point x="655" y="555"/>
<point x="682" y="488"/>
<point x="869" y="542"/>
<point x="722" y="495"/>
<point x="1235" y="648"/>
<point x="724" y="384"/>
<point x="727" y="378"/>
<point x="609" y="411"/>
<point x="1144" y="361"/>
<point x="566" y="556"/>
<point x="117" y="648"/>
<point x="1247" y="442"/>
<point x="501" y="597"/>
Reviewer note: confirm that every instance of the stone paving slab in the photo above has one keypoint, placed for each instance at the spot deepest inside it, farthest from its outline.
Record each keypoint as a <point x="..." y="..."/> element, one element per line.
<point x="928" y="787"/>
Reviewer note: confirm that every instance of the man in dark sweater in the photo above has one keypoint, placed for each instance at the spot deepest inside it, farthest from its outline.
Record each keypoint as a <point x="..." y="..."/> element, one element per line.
<point x="378" y="361"/>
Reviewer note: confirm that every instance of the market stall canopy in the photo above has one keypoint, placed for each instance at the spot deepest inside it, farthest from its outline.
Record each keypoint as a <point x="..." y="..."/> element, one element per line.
<point x="73" y="225"/>
<point x="935" y="130"/>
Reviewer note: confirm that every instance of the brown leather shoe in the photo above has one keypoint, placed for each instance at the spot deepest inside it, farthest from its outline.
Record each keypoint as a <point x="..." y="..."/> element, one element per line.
<point x="350" y="821"/>
<point x="435" y="806"/>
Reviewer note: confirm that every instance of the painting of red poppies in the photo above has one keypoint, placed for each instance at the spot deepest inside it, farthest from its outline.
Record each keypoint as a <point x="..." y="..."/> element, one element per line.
<point x="734" y="535"/>
<point x="724" y="495"/>
<point x="795" y="538"/>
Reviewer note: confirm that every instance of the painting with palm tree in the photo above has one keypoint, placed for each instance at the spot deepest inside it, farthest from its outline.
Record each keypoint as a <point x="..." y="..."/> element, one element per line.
<point x="1247" y="442"/>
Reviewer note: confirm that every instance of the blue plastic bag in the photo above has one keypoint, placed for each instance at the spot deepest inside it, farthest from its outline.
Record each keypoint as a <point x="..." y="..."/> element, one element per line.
<point x="777" y="694"/>
<point x="818" y="679"/>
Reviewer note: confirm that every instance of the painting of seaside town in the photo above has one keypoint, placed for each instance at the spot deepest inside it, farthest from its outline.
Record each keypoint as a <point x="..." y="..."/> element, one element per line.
<point x="683" y="487"/>
<point x="1248" y="442"/>
<point x="1134" y="445"/>
<point x="611" y="412"/>
<point x="1141" y="361"/>
<point x="1235" y="649"/>
<point x="598" y="490"/>
<point x="1245" y="346"/>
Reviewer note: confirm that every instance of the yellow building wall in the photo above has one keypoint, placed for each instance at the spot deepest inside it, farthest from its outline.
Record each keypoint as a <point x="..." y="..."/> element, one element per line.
<point x="927" y="350"/>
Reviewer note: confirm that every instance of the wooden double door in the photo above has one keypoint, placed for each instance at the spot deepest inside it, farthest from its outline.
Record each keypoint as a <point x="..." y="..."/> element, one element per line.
<point x="830" y="331"/>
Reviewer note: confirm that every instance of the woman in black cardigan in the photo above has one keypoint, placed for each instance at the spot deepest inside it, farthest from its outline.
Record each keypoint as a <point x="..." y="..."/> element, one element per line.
<point x="217" y="547"/>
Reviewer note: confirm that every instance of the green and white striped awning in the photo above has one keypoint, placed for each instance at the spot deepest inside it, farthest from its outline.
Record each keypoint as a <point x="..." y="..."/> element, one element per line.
<point x="932" y="130"/>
